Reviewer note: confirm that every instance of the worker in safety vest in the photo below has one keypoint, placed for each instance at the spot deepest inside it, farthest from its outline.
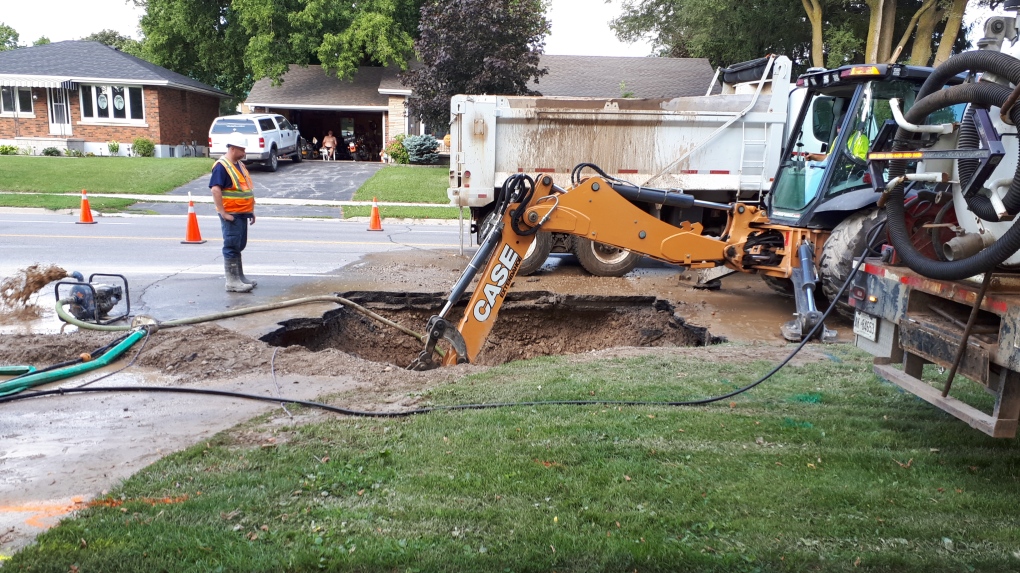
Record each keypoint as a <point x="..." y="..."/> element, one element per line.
<point x="235" y="203"/>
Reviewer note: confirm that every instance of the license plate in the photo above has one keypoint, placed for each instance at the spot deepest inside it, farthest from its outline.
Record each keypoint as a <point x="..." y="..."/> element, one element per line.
<point x="866" y="325"/>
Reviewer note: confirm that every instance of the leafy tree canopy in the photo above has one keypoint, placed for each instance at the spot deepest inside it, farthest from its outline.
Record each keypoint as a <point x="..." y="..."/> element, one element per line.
<point x="8" y="37"/>
<point x="42" y="41"/>
<point x="115" y="39"/>
<point x="232" y="43"/>
<point x="812" y="32"/>
<point x="475" y="47"/>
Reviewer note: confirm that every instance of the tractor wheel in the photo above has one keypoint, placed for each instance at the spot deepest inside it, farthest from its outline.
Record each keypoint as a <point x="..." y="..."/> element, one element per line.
<point x="537" y="253"/>
<point x="847" y="241"/>
<point x="782" y="286"/>
<point x="603" y="260"/>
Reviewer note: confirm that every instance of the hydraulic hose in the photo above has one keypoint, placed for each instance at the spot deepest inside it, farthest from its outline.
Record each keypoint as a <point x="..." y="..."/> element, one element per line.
<point x="24" y="382"/>
<point x="982" y="95"/>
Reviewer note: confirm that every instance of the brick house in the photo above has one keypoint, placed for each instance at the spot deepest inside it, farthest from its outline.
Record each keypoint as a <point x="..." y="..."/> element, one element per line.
<point x="372" y="106"/>
<point x="80" y="95"/>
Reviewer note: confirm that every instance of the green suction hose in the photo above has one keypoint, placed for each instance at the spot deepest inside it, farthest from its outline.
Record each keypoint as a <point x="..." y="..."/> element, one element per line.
<point x="26" y="382"/>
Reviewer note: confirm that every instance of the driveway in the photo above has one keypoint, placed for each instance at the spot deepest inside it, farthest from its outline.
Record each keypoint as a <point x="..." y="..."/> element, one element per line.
<point x="318" y="180"/>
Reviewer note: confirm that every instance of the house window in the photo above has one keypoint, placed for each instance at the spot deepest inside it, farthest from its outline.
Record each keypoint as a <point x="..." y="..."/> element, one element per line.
<point x="16" y="101"/>
<point x="112" y="103"/>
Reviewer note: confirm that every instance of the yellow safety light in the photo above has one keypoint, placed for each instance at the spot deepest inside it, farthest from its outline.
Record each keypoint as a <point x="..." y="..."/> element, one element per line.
<point x="865" y="71"/>
<point x="895" y="155"/>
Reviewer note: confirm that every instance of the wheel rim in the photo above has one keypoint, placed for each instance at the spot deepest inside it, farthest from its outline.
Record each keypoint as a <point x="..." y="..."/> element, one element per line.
<point x="273" y="160"/>
<point x="609" y="255"/>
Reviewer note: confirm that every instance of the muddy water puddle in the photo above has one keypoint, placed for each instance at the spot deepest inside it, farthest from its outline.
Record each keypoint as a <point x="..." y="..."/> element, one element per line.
<point x="530" y="324"/>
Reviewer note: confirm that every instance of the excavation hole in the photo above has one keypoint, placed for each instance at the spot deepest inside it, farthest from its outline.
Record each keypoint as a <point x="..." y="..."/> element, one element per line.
<point x="530" y="324"/>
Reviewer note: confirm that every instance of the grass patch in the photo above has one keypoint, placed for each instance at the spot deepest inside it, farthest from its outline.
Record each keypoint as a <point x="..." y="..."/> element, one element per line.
<point x="407" y="184"/>
<point x="398" y="212"/>
<point x="141" y="175"/>
<point x="868" y="478"/>
<point x="57" y="202"/>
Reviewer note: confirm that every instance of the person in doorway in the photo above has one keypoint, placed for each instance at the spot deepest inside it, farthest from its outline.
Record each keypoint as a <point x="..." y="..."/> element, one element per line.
<point x="329" y="144"/>
<point x="232" y="194"/>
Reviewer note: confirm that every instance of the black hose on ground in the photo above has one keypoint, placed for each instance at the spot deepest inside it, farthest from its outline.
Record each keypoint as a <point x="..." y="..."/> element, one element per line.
<point x="981" y="95"/>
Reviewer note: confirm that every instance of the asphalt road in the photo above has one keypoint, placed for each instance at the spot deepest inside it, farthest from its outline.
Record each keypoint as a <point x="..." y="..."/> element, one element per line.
<point x="283" y="254"/>
<point x="310" y="180"/>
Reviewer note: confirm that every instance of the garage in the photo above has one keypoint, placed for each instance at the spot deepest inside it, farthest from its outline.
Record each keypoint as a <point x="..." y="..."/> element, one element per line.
<point x="363" y="113"/>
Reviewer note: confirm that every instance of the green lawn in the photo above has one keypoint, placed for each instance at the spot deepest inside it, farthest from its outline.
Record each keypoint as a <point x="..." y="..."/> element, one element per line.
<point x="823" y="468"/>
<point x="142" y="175"/>
<point x="407" y="184"/>
<point x="55" y="202"/>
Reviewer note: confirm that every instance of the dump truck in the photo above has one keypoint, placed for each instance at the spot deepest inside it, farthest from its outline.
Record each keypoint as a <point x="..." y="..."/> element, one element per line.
<point x="720" y="147"/>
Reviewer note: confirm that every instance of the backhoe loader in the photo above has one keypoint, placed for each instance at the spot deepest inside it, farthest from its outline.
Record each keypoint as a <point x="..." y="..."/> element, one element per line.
<point x="801" y="235"/>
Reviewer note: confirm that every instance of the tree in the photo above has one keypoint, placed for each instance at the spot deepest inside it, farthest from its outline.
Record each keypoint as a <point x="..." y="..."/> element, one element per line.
<point x="828" y="33"/>
<point x="232" y="43"/>
<point x="115" y="39"/>
<point x="42" y="41"/>
<point x="8" y="37"/>
<point x="475" y="47"/>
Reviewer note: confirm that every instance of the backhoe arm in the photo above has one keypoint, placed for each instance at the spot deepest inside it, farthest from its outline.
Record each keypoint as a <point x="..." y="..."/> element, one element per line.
<point x="598" y="209"/>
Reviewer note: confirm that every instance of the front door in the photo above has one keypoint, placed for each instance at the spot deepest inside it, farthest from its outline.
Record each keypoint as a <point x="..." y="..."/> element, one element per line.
<point x="60" y="112"/>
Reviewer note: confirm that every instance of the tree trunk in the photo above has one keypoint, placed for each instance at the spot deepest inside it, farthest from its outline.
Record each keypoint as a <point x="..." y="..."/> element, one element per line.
<point x="951" y="31"/>
<point x="885" y="38"/>
<point x="813" y="8"/>
<point x="874" y="30"/>
<point x="925" y="19"/>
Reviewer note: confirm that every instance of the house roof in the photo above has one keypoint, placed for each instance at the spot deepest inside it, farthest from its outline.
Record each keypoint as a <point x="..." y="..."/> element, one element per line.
<point x="602" y="76"/>
<point x="310" y="87"/>
<point x="77" y="61"/>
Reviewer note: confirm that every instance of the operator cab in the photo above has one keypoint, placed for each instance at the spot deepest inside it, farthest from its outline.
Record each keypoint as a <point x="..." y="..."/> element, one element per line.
<point x="823" y="171"/>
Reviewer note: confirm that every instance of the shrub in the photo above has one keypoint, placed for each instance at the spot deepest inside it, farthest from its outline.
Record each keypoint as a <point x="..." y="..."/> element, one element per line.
<point x="75" y="153"/>
<point x="51" y="152"/>
<point x="144" y="147"/>
<point x="8" y="150"/>
<point x="421" y="149"/>
<point x="25" y="150"/>
<point x="113" y="146"/>
<point x="395" y="149"/>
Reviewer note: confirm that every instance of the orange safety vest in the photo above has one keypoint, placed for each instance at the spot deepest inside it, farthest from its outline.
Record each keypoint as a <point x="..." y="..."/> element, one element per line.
<point x="239" y="198"/>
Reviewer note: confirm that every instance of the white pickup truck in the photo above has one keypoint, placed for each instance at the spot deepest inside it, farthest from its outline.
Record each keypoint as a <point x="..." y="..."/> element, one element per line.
<point x="269" y="137"/>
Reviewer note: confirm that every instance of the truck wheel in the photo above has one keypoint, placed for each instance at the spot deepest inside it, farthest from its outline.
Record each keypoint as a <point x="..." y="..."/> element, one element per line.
<point x="274" y="161"/>
<point x="296" y="158"/>
<point x="537" y="253"/>
<point x="781" y="286"/>
<point x="848" y="240"/>
<point x="604" y="260"/>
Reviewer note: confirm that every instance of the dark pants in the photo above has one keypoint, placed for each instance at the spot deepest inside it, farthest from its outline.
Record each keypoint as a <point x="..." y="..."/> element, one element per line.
<point x="235" y="235"/>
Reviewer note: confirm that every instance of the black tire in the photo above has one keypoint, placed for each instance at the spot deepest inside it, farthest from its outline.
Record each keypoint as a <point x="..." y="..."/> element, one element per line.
<point x="296" y="158"/>
<point x="537" y="253"/>
<point x="848" y="240"/>
<point x="274" y="160"/>
<point x="782" y="286"/>
<point x="603" y="260"/>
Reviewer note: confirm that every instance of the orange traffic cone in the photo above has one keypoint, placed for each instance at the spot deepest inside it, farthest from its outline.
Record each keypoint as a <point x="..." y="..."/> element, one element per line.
<point x="85" y="218"/>
<point x="192" y="236"/>
<point x="375" y="222"/>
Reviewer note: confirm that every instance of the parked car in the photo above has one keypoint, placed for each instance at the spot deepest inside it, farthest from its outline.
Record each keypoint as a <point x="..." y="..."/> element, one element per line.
<point x="269" y="137"/>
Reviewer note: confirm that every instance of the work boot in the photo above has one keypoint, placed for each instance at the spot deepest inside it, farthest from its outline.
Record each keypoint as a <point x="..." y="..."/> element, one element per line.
<point x="244" y="279"/>
<point x="232" y="269"/>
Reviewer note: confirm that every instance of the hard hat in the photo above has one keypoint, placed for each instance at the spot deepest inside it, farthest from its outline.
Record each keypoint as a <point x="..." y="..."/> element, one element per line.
<point x="236" y="139"/>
